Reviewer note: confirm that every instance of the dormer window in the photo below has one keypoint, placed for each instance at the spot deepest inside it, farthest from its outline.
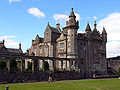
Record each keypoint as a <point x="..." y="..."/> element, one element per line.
<point x="62" y="45"/>
<point x="40" y="50"/>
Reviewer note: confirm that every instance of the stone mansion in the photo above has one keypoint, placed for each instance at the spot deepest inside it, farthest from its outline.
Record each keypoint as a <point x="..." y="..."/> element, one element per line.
<point x="89" y="48"/>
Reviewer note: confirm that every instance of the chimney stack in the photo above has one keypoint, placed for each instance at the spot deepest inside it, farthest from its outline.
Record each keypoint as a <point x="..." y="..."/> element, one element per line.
<point x="58" y="26"/>
<point x="3" y="42"/>
<point x="19" y="45"/>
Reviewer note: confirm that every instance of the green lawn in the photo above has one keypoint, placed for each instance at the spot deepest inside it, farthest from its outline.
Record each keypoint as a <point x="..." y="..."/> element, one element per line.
<point x="101" y="84"/>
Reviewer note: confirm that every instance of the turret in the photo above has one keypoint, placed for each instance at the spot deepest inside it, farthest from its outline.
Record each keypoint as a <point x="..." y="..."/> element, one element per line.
<point x="95" y="32"/>
<point x="72" y="27"/>
<point x="95" y="26"/>
<point x="88" y="30"/>
<point x="104" y="35"/>
<point x="72" y="20"/>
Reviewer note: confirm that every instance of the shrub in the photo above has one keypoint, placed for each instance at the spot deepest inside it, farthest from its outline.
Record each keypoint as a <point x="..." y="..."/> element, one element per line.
<point x="46" y="66"/>
<point x="119" y="71"/>
<point x="2" y="65"/>
<point x="13" y="64"/>
<point x="29" y="65"/>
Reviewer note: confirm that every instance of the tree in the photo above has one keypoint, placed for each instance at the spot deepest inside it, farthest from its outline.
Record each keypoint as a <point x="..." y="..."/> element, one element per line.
<point x="13" y="64"/>
<point x="119" y="71"/>
<point x="46" y="65"/>
<point x="2" y="65"/>
<point x="29" y="65"/>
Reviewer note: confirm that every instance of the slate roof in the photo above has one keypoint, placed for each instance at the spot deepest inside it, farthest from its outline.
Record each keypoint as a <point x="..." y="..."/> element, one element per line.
<point x="114" y="58"/>
<point x="12" y="50"/>
<point x="55" y="30"/>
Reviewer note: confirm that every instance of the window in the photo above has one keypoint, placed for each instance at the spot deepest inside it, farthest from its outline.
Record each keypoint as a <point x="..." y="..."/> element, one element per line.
<point x="62" y="45"/>
<point x="35" y="51"/>
<point x="68" y="44"/>
<point x="95" y="50"/>
<point x="47" y="51"/>
<point x="40" y="50"/>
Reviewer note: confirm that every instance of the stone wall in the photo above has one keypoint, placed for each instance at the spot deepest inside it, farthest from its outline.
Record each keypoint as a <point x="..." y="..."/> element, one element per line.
<point x="27" y="76"/>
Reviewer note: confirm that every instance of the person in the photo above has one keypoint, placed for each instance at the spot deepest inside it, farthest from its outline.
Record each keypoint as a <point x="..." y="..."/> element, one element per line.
<point x="50" y="76"/>
<point x="94" y="75"/>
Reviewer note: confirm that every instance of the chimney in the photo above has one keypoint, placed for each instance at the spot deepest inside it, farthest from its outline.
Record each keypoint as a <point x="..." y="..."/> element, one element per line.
<point x="19" y="45"/>
<point x="3" y="42"/>
<point x="58" y="26"/>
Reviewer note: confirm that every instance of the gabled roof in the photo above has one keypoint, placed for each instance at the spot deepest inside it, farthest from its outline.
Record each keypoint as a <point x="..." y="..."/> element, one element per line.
<point x="53" y="29"/>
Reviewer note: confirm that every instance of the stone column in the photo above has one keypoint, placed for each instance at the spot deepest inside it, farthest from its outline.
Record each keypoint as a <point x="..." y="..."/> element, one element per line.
<point x="66" y="65"/>
<point x="61" y="65"/>
<point x="22" y="65"/>
<point x="70" y="64"/>
<point x="77" y="65"/>
<point x="8" y="65"/>
<point x="35" y="65"/>
<point x="53" y="65"/>
<point x="43" y="65"/>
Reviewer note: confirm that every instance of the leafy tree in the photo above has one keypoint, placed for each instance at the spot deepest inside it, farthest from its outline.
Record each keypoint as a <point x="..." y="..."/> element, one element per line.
<point x="46" y="65"/>
<point x="13" y="64"/>
<point x="2" y="65"/>
<point x="119" y="71"/>
<point x="29" y="65"/>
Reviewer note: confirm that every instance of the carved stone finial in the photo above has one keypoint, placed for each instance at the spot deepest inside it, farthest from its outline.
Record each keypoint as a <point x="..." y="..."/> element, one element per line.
<point x="95" y="25"/>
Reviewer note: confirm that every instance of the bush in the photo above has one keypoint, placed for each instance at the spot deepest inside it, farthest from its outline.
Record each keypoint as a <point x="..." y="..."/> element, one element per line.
<point x="13" y="64"/>
<point x="29" y="65"/>
<point x="119" y="71"/>
<point x="2" y="65"/>
<point x="46" y="66"/>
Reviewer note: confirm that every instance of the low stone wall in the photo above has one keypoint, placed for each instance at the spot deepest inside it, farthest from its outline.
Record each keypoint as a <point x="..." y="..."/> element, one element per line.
<point x="27" y="76"/>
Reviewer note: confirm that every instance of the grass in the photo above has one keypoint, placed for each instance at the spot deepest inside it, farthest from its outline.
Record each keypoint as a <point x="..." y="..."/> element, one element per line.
<point x="101" y="84"/>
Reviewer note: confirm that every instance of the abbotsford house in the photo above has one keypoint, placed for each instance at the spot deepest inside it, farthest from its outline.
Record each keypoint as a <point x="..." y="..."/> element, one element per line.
<point x="64" y="50"/>
<point x="88" y="48"/>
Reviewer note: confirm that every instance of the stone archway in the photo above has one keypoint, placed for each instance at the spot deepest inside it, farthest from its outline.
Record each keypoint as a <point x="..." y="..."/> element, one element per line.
<point x="46" y="66"/>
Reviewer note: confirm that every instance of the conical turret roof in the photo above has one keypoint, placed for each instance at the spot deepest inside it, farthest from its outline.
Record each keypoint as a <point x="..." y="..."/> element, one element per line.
<point x="88" y="27"/>
<point x="72" y="14"/>
<point x="104" y="31"/>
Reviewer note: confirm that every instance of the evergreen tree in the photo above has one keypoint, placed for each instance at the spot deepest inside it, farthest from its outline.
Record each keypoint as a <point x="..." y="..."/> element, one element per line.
<point x="46" y="66"/>
<point x="13" y="64"/>
<point x="119" y="71"/>
<point x="2" y="65"/>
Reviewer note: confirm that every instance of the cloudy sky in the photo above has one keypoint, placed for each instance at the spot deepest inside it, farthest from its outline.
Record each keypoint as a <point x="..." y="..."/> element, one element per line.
<point x="22" y="20"/>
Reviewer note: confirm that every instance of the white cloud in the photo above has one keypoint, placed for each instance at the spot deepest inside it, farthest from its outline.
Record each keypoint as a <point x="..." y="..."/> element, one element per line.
<point x="77" y="16"/>
<point x="10" y="1"/>
<point x="94" y="17"/>
<point x="36" y="12"/>
<point x="112" y="26"/>
<point x="113" y="48"/>
<point x="65" y="17"/>
<point x="62" y="18"/>
<point x="9" y="42"/>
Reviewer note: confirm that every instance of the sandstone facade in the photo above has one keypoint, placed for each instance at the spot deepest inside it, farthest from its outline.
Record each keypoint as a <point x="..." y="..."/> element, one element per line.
<point x="88" y="48"/>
